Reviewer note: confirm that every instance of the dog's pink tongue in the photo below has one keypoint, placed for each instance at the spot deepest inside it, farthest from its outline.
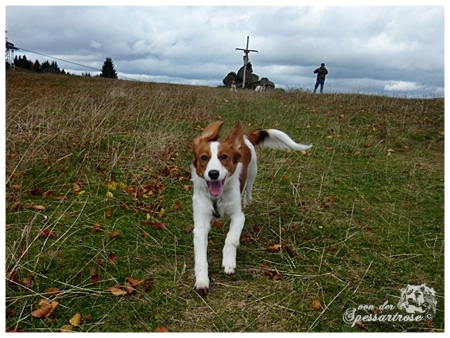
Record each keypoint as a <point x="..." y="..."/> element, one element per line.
<point x="215" y="188"/>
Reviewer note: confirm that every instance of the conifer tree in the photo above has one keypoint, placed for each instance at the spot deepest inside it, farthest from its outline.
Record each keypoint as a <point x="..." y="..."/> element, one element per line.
<point x="108" y="70"/>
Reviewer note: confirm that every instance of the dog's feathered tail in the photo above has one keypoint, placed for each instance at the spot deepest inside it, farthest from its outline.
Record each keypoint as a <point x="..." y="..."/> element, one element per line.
<point x="274" y="139"/>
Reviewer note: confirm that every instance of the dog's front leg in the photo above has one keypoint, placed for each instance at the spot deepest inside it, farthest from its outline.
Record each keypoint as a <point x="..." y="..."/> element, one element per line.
<point x="202" y="224"/>
<point x="232" y="242"/>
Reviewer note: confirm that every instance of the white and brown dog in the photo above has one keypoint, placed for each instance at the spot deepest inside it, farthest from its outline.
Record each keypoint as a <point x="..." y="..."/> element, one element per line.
<point x="233" y="87"/>
<point x="221" y="172"/>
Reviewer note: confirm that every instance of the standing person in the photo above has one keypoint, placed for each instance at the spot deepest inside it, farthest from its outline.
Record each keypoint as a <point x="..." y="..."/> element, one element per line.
<point x="321" y="73"/>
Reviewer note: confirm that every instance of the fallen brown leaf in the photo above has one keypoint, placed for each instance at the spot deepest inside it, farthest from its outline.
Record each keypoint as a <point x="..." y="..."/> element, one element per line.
<point x="189" y="229"/>
<point x="46" y="309"/>
<point x="316" y="304"/>
<point x="43" y="301"/>
<point x="60" y="198"/>
<point x="272" y="274"/>
<point x="135" y="282"/>
<point x="95" y="228"/>
<point x="66" y="328"/>
<point x="46" y="233"/>
<point x="361" y="325"/>
<point x="255" y="230"/>
<point x="217" y="224"/>
<point x="115" y="234"/>
<point x="112" y="259"/>
<point x="244" y="238"/>
<point x="158" y="225"/>
<point x="162" y="329"/>
<point x="34" y="191"/>
<point x="48" y="194"/>
<point x="122" y="205"/>
<point x="117" y="291"/>
<point x="148" y="284"/>
<point x="75" y="320"/>
<point x="42" y="311"/>
<point x="274" y="248"/>
<point x="28" y="282"/>
<point x="16" y="205"/>
<point x="94" y="276"/>
<point x="128" y="288"/>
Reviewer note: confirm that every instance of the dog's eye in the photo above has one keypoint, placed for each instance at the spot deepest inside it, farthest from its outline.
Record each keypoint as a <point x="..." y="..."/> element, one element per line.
<point x="204" y="158"/>
<point x="223" y="157"/>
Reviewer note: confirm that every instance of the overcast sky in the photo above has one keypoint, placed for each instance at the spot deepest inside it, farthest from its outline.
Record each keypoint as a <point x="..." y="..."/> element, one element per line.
<point x="388" y="50"/>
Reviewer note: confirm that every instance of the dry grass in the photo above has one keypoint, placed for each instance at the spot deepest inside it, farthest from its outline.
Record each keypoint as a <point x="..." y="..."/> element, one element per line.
<point x="362" y="212"/>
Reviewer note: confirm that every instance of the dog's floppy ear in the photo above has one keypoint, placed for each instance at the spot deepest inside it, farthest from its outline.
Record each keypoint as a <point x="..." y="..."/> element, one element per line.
<point x="211" y="132"/>
<point x="236" y="137"/>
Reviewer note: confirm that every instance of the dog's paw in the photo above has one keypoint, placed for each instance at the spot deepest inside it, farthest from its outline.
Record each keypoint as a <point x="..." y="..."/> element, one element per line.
<point x="229" y="259"/>
<point x="229" y="266"/>
<point x="202" y="287"/>
<point x="229" y="270"/>
<point x="202" y="291"/>
<point x="247" y="201"/>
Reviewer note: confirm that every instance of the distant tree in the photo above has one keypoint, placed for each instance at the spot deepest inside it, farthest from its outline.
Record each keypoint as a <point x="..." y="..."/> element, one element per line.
<point x="23" y="62"/>
<point x="37" y="66"/>
<point x="108" y="70"/>
<point x="46" y="67"/>
<point x="52" y="68"/>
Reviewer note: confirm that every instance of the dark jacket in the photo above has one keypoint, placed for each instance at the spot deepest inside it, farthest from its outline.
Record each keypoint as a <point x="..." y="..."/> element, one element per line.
<point x="321" y="72"/>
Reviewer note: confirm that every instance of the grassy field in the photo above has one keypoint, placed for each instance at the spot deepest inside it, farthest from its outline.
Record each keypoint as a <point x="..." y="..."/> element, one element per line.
<point x="99" y="217"/>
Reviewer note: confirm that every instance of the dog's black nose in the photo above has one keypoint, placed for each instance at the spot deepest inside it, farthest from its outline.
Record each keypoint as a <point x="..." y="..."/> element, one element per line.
<point x="213" y="174"/>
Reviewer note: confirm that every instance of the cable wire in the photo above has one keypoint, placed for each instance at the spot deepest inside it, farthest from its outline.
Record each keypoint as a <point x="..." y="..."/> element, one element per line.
<point x="53" y="57"/>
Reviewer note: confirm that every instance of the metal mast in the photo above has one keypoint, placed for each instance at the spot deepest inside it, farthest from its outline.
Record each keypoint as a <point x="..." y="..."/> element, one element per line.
<point x="9" y="53"/>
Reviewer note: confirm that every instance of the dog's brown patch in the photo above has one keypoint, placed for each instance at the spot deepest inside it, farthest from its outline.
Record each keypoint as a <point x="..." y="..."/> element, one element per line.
<point x="257" y="136"/>
<point x="235" y="141"/>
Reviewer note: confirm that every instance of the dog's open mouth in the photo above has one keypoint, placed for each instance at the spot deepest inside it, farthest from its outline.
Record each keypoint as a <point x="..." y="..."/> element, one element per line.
<point x="216" y="187"/>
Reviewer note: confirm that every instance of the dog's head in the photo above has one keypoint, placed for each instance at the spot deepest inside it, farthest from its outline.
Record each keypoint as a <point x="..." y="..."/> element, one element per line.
<point x="417" y="299"/>
<point x="216" y="161"/>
